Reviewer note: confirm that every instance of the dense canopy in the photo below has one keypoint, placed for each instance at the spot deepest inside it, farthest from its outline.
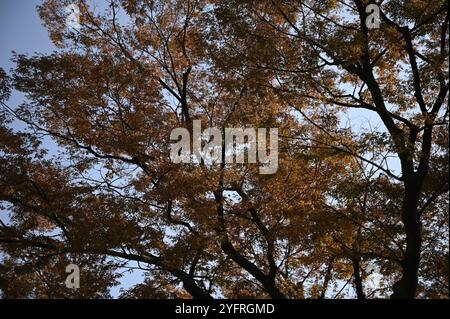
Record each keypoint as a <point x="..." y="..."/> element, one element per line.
<point x="353" y="211"/>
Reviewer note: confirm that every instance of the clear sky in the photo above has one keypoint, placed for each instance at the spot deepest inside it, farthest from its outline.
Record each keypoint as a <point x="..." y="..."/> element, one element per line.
<point x="21" y="31"/>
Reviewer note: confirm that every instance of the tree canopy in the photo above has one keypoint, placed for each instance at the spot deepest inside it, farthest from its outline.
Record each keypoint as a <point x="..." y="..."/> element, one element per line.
<point x="352" y="212"/>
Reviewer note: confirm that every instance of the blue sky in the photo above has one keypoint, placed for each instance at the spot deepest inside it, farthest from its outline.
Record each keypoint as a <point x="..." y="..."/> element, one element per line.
<point x="21" y="30"/>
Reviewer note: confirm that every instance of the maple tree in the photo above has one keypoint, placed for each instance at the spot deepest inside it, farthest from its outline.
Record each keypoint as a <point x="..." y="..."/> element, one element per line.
<point x="334" y="215"/>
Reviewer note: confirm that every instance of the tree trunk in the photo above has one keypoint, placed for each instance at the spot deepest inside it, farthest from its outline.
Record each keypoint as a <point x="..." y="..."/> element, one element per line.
<point x="406" y="287"/>
<point x="327" y="278"/>
<point x="190" y="285"/>
<point x="358" y="279"/>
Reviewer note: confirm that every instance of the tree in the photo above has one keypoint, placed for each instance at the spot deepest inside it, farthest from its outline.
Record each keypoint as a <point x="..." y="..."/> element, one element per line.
<point x="397" y="71"/>
<point x="110" y="198"/>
